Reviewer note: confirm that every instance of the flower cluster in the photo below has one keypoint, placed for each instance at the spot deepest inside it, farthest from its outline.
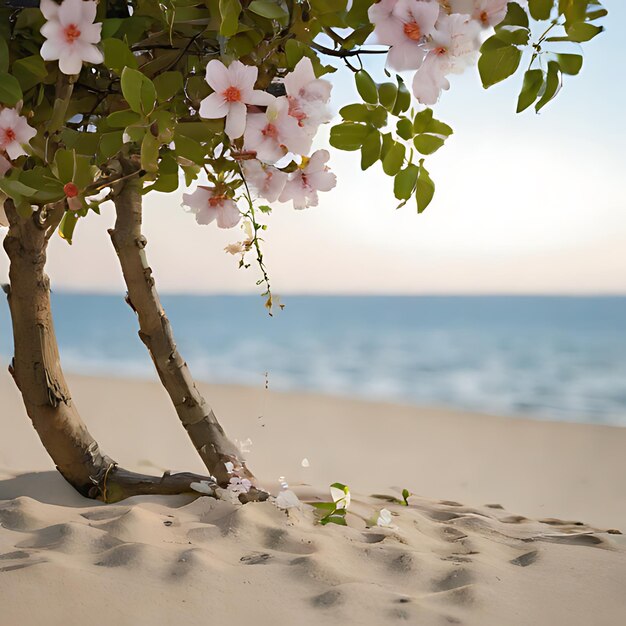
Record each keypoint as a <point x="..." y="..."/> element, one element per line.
<point x="434" y="38"/>
<point x="269" y="129"/>
<point x="15" y="133"/>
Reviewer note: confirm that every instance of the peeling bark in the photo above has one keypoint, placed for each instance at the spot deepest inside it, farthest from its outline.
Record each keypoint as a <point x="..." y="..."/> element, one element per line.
<point x="196" y="415"/>
<point x="36" y="369"/>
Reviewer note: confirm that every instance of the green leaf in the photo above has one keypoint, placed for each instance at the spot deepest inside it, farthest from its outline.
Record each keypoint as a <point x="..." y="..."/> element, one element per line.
<point x="553" y="83"/>
<point x="394" y="159"/>
<point x="30" y="71"/>
<point x="404" y="128"/>
<point x="405" y="181"/>
<point x="533" y="81"/>
<point x="117" y="55"/>
<point x="427" y="143"/>
<point x="230" y="10"/>
<point x="497" y="62"/>
<point x="122" y="119"/>
<point x="111" y="143"/>
<point x="403" y="100"/>
<point x="63" y="166"/>
<point x="580" y="32"/>
<point x="348" y="135"/>
<point x="515" y="16"/>
<point x="387" y="94"/>
<point x="10" y="90"/>
<point x="268" y="8"/>
<point x="375" y="115"/>
<point x="514" y="35"/>
<point x="570" y="63"/>
<point x="425" y="189"/>
<point x="150" y="153"/>
<point x="366" y="87"/>
<point x="370" y="150"/>
<point x="138" y="90"/>
<point x="167" y="85"/>
<point x="406" y="494"/>
<point x="540" y="9"/>
<point x="67" y="226"/>
<point x="4" y="55"/>
<point x="422" y="120"/>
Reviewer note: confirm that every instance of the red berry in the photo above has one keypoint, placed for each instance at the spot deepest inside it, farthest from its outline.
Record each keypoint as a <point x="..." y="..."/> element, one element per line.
<point x="71" y="190"/>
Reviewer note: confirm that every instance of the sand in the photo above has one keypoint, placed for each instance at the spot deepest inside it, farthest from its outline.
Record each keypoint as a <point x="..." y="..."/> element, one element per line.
<point x="509" y="526"/>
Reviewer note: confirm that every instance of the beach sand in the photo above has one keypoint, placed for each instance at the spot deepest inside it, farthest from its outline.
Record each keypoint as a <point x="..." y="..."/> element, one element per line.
<point x="480" y="544"/>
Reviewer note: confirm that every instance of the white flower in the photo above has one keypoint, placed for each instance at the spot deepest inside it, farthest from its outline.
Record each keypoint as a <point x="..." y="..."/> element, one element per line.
<point x="14" y="133"/>
<point x="308" y="97"/>
<point x="384" y="519"/>
<point x="235" y="248"/>
<point x="340" y="497"/>
<point x="234" y="89"/>
<point x="266" y="181"/>
<point x="239" y="485"/>
<point x="405" y="27"/>
<point x="286" y="500"/>
<point x="207" y="205"/>
<point x="312" y="176"/>
<point x="70" y="34"/>
<point x="275" y="133"/>
<point x="453" y="46"/>
<point x="487" y="12"/>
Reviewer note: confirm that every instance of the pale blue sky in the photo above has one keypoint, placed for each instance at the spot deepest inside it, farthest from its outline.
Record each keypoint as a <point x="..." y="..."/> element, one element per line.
<point x="525" y="204"/>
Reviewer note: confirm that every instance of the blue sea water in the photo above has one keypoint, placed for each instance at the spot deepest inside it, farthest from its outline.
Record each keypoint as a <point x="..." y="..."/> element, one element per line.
<point x="560" y="358"/>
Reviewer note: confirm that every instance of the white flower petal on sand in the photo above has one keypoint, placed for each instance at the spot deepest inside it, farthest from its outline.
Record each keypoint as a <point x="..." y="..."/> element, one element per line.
<point x="208" y="206"/>
<point x="340" y="497"/>
<point x="384" y="519"/>
<point x="239" y="485"/>
<point x="233" y="88"/>
<point x="14" y="133"/>
<point x="203" y="487"/>
<point x="312" y="176"/>
<point x="71" y="34"/>
<point x="286" y="500"/>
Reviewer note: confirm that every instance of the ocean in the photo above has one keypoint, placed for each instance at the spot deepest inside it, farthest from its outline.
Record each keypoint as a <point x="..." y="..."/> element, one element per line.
<point x="559" y="358"/>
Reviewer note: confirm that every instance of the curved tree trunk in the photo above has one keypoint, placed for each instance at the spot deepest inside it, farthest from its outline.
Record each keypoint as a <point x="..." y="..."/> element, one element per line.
<point x="196" y="415"/>
<point x="37" y="372"/>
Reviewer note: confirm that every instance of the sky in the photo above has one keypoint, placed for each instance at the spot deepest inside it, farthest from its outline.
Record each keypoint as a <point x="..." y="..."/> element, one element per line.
<point x="528" y="203"/>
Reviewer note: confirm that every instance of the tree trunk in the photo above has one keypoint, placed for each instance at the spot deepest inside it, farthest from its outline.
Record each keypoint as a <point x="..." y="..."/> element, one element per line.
<point x="37" y="372"/>
<point x="196" y="415"/>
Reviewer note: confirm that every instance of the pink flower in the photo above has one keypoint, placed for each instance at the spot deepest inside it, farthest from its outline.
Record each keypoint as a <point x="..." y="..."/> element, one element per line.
<point x="274" y="133"/>
<point x="266" y="181"/>
<point x="234" y="89"/>
<point x="312" y="176"/>
<point x="308" y="97"/>
<point x="14" y="133"/>
<point x="453" y="46"/>
<point x="208" y="205"/>
<point x="487" y="12"/>
<point x="404" y="26"/>
<point x="70" y="34"/>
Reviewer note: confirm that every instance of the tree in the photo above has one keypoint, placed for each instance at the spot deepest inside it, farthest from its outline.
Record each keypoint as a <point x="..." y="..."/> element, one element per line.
<point x="113" y="100"/>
